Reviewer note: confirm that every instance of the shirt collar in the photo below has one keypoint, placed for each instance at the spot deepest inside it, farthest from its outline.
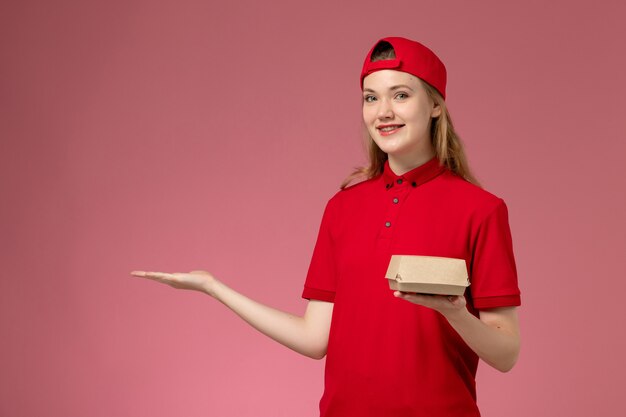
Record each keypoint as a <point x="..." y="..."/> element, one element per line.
<point x="415" y="177"/>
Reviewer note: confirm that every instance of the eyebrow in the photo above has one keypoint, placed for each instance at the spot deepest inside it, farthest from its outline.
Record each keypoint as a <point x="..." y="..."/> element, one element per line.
<point x="395" y="87"/>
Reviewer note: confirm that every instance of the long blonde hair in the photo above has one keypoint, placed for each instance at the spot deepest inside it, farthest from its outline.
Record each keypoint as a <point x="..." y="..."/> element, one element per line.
<point x="446" y="142"/>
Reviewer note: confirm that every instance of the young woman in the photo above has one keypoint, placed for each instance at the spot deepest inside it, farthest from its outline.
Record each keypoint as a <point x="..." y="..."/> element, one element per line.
<point x="393" y="353"/>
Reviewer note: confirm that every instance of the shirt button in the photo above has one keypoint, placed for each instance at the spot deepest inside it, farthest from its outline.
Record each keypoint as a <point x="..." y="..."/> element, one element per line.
<point x="399" y="181"/>
<point x="388" y="224"/>
<point x="414" y="184"/>
<point x="395" y="200"/>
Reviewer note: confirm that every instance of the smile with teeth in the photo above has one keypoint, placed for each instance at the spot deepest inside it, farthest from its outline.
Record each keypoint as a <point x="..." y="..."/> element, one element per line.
<point x="388" y="130"/>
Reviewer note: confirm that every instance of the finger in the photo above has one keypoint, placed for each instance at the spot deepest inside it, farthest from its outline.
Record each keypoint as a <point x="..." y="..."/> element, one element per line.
<point x="413" y="294"/>
<point x="161" y="275"/>
<point x="426" y="300"/>
<point x="158" y="276"/>
<point x="150" y="275"/>
<point x="409" y="296"/>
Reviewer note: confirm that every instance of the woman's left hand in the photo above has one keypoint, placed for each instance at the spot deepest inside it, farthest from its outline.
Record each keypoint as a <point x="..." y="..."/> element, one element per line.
<point x="447" y="305"/>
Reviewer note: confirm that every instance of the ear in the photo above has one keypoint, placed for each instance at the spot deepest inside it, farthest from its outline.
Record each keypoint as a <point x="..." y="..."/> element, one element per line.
<point x="436" y="112"/>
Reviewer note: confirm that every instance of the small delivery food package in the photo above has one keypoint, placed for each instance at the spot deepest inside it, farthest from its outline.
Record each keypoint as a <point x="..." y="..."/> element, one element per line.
<point x="427" y="274"/>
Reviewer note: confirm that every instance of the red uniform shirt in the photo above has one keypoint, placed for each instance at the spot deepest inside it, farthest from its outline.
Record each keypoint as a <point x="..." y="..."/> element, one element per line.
<point x="386" y="356"/>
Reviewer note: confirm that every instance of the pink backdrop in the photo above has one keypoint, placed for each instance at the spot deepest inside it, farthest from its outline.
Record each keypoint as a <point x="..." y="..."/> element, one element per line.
<point x="188" y="135"/>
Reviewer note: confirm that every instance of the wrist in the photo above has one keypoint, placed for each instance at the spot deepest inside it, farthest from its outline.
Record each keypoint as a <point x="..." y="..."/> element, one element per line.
<point x="457" y="316"/>
<point x="210" y="287"/>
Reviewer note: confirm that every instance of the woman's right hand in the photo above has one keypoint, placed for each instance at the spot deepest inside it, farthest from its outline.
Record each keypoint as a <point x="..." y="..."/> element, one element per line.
<point x="202" y="281"/>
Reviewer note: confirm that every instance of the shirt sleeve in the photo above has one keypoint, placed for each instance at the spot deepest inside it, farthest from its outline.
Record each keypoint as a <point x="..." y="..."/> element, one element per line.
<point x="493" y="273"/>
<point x="321" y="278"/>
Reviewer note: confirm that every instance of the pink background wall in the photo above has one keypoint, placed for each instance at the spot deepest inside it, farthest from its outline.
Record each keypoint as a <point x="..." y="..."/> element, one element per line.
<point x="208" y="135"/>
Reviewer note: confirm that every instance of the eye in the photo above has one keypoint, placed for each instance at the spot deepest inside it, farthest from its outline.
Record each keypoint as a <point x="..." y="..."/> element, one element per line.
<point x="369" y="98"/>
<point x="402" y="96"/>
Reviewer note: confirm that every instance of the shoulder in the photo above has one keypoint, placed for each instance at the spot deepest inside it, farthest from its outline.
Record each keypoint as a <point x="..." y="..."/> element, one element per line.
<point x="470" y="196"/>
<point x="355" y="192"/>
<point x="351" y="196"/>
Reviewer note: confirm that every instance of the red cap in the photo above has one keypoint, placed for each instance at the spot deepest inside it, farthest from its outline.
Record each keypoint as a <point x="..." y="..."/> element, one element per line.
<point x="411" y="57"/>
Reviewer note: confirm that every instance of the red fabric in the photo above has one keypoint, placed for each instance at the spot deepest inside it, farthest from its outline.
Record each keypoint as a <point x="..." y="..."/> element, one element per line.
<point x="411" y="57"/>
<point x="388" y="357"/>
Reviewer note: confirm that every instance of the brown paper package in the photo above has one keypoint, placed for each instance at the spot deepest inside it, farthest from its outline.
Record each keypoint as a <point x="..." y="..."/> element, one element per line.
<point x="427" y="274"/>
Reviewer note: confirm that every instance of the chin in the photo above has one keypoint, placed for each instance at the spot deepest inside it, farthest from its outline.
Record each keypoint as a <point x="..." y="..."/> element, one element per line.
<point x="390" y="148"/>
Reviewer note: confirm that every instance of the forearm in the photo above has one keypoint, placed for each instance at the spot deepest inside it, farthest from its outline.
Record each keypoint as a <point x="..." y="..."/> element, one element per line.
<point x="292" y="331"/>
<point x="495" y="345"/>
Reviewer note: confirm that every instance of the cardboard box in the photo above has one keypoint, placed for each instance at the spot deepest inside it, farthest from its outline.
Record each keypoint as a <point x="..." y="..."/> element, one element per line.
<point x="427" y="274"/>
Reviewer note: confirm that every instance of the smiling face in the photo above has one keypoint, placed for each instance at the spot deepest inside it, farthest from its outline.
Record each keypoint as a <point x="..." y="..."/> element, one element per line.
<point x="397" y="112"/>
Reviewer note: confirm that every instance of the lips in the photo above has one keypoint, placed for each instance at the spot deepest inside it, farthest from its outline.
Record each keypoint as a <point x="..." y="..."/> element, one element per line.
<point x="386" y="130"/>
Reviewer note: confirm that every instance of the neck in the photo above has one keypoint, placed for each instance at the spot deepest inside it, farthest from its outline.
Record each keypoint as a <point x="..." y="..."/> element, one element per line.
<point x="401" y="164"/>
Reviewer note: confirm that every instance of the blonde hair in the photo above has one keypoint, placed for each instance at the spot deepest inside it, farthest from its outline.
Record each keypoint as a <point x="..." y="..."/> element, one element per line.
<point x="446" y="142"/>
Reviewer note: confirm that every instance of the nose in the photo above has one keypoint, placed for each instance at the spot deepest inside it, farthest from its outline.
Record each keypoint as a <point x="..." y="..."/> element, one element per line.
<point x="384" y="110"/>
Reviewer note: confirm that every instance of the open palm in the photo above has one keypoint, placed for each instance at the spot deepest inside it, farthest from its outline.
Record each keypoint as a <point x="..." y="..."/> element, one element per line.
<point x="194" y="280"/>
